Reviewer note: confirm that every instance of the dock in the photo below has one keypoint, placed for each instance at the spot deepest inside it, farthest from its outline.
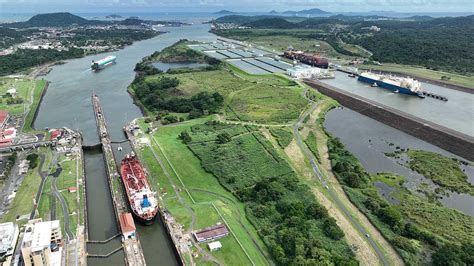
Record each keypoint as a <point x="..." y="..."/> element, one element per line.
<point x="131" y="246"/>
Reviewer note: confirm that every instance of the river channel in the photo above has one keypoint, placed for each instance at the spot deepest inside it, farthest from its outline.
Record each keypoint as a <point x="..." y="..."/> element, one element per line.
<point x="68" y="103"/>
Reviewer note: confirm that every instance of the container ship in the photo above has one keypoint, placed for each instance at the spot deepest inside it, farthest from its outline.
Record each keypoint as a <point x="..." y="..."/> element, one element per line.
<point x="307" y="58"/>
<point x="141" y="198"/>
<point x="395" y="84"/>
<point x="102" y="63"/>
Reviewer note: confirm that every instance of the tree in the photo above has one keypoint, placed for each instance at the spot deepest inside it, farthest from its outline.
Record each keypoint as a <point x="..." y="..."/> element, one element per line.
<point x="185" y="137"/>
<point x="223" y="138"/>
<point x="390" y="215"/>
<point x="447" y="255"/>
<point x="33" y="160"/>
<point x="332" y="230"/>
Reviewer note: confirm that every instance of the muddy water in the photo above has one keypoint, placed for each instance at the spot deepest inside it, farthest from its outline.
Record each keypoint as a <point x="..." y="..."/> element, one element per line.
<point x="369" y="139"/>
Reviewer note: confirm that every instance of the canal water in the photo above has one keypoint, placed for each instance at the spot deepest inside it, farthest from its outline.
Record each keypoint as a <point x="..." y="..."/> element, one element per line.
<point x="68" y="103"/>
<point x="369" y="139"/>
<point x="456" y="113"/>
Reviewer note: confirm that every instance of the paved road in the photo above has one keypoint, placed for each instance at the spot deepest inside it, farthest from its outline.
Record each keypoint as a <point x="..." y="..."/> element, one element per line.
<point x="11" y="185"/>
<point x="58" y="195"/>
<point x="43" y="176"/>
<point x="308" y="154"/>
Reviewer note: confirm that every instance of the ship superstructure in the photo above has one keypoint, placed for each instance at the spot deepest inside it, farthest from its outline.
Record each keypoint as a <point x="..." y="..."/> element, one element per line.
<point x="141" y="198"/>
<point x="102" y="63"/>
<point x="395" y="84"/>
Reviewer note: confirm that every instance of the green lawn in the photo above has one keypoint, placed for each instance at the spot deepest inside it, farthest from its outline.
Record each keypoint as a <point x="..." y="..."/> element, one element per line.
<point x="204" y="189"/>
<point x="23" y="202"/>
<point x="456" y="79"/>
<point x="39" y="88"/>
<point x="23" y="89"/>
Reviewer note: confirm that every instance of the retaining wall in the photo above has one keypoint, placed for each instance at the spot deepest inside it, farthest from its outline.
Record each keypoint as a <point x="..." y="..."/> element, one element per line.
<point x="445" y="138"/>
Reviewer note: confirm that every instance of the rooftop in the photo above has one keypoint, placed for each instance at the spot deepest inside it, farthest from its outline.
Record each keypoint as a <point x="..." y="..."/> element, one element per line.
<point x="126" y="223"/>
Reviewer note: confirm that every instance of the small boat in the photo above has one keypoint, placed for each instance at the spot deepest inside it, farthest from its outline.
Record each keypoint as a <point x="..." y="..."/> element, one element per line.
<point x="374" y="84"/>
<point x="352" y="75"/>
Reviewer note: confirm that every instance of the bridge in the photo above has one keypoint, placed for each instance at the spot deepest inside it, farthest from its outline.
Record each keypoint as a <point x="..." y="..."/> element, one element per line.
<point x="28" y="145"/>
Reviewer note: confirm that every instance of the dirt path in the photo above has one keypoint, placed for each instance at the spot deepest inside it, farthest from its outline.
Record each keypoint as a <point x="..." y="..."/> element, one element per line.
<point x="364" y="253"/>
<point x="374" y="233"/>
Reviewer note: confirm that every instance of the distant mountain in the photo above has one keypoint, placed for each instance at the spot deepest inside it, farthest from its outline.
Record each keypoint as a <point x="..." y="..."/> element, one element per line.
<point x="273" y="12"/>
<point x="56" y="19"/>
<point x="65" y="19"/>
<point x="224" y="12"/>
<point x="113" y="16"/>
<point x="277" y="23"/>
<point x="62" y="19"/>
<point x="313" y="11"/>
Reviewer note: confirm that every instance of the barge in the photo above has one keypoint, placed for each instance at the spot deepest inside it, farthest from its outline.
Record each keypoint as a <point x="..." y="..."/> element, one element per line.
<point x="141" y="198"/>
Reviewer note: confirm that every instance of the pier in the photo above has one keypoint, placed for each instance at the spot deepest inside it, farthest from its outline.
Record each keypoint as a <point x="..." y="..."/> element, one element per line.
<point x="131" y="246"/>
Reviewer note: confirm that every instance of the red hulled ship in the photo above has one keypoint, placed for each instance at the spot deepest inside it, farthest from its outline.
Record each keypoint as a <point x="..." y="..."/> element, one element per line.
<point x="141" y="198"/>
<point x="307" y="58"/>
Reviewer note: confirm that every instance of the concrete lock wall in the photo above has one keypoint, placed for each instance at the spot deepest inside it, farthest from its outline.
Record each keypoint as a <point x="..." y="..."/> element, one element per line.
<point x="445" y="138"/>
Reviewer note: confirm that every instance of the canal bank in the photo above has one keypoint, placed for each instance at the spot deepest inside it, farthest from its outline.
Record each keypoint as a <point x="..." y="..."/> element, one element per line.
<point x="67" y="103"/>
<point x="445" y="138"/>
<point x="451" y="114"/>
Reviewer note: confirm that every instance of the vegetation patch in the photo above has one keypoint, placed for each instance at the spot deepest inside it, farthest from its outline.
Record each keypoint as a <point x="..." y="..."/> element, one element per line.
<point x="282" y="135"/>
<point x="312" y="144"/>
<point x="295" y="228"/>
<point x="267" y="103"/>
<point x="414" y="226"/>
<point x="445" y="172"/>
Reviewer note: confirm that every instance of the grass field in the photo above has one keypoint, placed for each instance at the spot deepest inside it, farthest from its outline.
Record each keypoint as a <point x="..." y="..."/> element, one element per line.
<point x="204" y="189"/>
<point x="39" y="89"/>
<point x="23" y="202"/>
<point x="262" y="98"/>
<point x="23" y="91"/>
<point x="456" y="79"/>
<point x="311" y="143"/>
<point x="268" y="104"/>
<point x="282" y="135"/>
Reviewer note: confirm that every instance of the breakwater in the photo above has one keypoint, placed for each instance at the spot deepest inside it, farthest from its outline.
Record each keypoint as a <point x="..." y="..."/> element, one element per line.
<point x="445" y="138"/>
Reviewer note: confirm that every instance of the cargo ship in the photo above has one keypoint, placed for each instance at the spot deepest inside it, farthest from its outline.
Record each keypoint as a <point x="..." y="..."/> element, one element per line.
<point x="102" y="63"/>
<point x="307" y="58"/>
<point x="141" y="198"/>
<point x="395" y="84"/>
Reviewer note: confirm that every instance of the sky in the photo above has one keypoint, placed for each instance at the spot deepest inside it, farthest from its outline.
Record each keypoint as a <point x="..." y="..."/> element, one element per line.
<point x="38" y="6"/>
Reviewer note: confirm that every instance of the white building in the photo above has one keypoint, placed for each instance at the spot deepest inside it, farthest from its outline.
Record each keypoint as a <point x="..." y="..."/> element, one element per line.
<point x="8" y="237"/>
<point x="304" y="72"/>
<point x="42" y="244"/>
<point x="214" y="246"/>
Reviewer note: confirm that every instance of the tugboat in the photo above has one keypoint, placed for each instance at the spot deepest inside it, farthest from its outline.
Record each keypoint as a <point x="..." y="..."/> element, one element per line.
<point x="141" y="198"/>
